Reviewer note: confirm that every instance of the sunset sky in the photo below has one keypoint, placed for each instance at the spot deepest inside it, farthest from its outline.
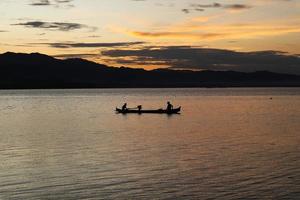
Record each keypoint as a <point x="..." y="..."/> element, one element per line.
<point x="123" y="32"/>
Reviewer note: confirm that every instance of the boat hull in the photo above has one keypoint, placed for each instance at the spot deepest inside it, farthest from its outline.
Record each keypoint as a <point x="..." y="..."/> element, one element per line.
<point x="159" y="111"/>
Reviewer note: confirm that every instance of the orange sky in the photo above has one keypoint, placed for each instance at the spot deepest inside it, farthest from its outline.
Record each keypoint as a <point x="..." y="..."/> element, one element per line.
<point x="86" y="28"/>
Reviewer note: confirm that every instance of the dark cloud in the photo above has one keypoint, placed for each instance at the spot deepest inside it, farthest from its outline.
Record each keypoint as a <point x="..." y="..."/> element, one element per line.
<point x="85" y="55"/>
<point x="202" y="7"/>
<point x="214" y="5"/>
<point x="41" y="3"/>
<point x="186" y="57"/>
<point x="185" y="10"/>
<point x="60" y="26"/>
<point x="94" y="36"/>
<point x="237" y="6"/>
<point x="50" y="2"/>
<point x="224" y="6"/>
<point x="90" y="45"/>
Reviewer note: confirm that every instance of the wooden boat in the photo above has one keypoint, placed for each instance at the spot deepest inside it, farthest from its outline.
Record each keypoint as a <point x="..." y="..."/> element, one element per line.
<point x="159" y="111"/>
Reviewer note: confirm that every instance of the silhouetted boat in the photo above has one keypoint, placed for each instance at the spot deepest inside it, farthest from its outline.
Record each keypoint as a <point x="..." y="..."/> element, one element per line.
<point x="159" y="111"/>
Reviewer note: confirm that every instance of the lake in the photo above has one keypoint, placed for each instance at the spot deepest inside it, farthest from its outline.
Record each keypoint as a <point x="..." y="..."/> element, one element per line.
<point x="234" y="143"/>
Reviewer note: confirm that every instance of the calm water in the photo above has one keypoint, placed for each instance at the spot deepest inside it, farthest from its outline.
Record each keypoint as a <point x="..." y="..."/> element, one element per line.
<point x="226" y="144"/>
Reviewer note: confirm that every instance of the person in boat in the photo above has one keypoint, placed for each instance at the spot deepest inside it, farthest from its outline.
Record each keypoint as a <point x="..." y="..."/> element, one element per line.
<point x="139" y="107"/>
<point x="124" y="107"/>
<point x="169" y="106"/>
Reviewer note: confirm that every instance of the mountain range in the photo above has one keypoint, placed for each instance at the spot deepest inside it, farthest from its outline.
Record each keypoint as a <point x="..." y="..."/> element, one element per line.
<point x="39" y="71"/>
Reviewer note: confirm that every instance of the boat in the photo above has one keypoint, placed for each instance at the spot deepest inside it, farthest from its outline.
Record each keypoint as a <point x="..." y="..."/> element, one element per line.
<point x="158" y="111"/>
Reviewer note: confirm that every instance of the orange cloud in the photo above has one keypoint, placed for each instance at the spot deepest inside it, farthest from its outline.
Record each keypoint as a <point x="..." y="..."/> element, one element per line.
<point x="195" y="29"/>
<point x="174" y="35"/>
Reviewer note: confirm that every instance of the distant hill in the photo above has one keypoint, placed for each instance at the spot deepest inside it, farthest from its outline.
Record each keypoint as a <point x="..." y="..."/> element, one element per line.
<point x="38" y="71"/>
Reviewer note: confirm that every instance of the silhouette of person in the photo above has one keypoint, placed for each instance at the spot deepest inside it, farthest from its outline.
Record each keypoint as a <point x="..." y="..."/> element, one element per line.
<point x="124" y="107"/>
<point x="139" y="107"/>
<point x="169" y="106"/>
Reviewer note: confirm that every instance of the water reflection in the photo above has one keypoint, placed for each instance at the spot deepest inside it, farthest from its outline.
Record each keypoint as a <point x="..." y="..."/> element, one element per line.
<point x="71" y="145"/>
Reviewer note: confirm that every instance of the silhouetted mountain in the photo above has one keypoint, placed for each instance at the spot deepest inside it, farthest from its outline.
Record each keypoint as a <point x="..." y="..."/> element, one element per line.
<point x="32" y="71"/>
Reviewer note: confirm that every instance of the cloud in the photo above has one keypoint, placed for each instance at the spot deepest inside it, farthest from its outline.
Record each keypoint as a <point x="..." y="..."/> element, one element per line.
<point x="41" y="3"/>
<point x="56" y="3"/>
<point x="237" y="6"/>
<point x="202" y="7"/>
<point x="58" y="26"/>
<point x="89" y="45"/>
<point x="188" y="57"/>
<point x="175" y="35"/>
<point x="82" y="55"/>
<point x="224" y="6"/>
<point x="201" y="29"/>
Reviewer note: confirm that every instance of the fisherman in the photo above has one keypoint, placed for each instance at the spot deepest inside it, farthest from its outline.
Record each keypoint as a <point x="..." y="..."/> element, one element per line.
<point x="169" y="106"/>
<point x="124" y="107"/>
<point x="139" y="107"/>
